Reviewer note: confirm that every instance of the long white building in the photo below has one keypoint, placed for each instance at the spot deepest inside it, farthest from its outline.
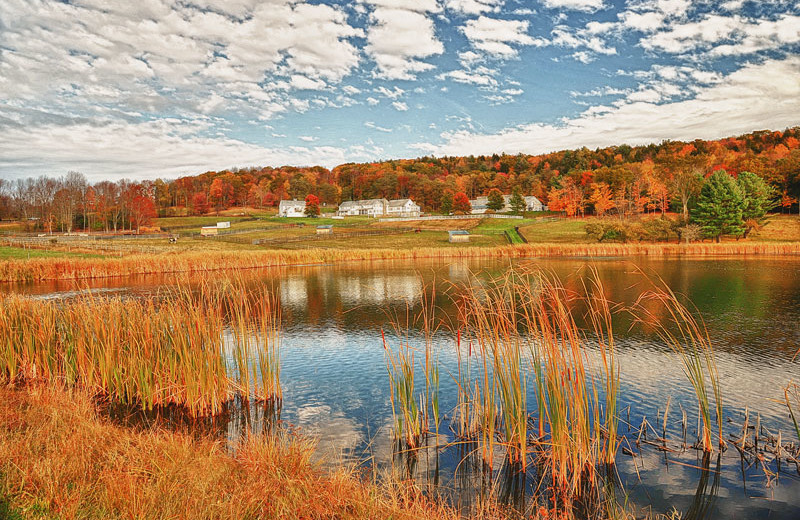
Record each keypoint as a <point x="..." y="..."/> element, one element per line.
<point x="479" y="204"/>
<point x="379" y="208"/>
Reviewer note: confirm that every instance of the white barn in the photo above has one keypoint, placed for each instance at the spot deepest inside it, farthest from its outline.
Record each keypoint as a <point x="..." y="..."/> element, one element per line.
<point x="403" y="208"/>
<point x="370" y="207"/>
<point x="292" y="208"/>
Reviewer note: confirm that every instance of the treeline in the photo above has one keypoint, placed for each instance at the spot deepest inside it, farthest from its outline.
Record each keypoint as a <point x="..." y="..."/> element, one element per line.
<point x="622" y="180"/>
<point x="71" y="203"/>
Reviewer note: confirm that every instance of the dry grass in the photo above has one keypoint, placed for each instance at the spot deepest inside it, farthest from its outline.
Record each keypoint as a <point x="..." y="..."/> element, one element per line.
<point x="198" y="262"/>
<point x="59" y="459"/>
<point x="196" y="350"/>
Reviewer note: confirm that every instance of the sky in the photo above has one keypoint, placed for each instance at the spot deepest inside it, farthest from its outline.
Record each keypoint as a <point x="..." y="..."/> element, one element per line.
<point x="159" y="88"/>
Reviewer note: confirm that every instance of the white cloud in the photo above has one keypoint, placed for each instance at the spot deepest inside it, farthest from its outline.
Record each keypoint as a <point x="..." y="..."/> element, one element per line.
<point x="400" y="106"/>
<point x="174" y="147"/>
<point x="469" y="77"/>
<point x="496" y="37"/>
<point x="474" y="7"/>
<point x="371" y="101"/>
<point x="371" y="124"/>
<point x="420" y="6"/>
<point x="399" y="39"/>
<point x="394" y="93"/>
<point x="739" y="103"/>
<point x="156" y="55"/>
<point x="577" y="5"/>
<point x="307" y="138"/>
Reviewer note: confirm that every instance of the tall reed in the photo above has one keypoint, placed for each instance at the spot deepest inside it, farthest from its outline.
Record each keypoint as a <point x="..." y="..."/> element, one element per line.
<point x="193" y="262"/>
<point x="523" y="327"/>
<point x="155" y="351"/>
<point x="792" y="396"/>
<point x="689" y="339"/>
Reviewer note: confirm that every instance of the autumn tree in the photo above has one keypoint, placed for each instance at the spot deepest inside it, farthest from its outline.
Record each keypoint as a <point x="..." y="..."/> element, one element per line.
<point x="142" y="210"/>
<point x="719" y="207"/>
<point x="685" y="185"/>
<point x="312" y="206"/>
<point x="461" y="204"/>
<point x="495" y="202"/>
<point x="601" y="198"/>
<point x="200" y="203"/>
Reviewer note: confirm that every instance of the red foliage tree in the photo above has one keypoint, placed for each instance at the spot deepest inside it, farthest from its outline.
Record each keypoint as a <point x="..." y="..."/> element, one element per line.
<point x="199" y="203"/>
<point x="461" y="203"/>
<point x="312" y="206"/>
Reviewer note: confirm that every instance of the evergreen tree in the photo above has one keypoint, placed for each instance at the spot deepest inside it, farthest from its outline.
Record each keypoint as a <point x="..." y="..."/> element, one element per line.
<point x="446" y="204"/>
<point x="517" y="202"/>
<point x="758" y="199"/>
<point x="719" y="207"/>
<point x="496" y="201"/>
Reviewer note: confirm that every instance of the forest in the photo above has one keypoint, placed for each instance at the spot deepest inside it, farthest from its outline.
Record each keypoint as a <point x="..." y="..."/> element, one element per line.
<point x="618" y="180"/>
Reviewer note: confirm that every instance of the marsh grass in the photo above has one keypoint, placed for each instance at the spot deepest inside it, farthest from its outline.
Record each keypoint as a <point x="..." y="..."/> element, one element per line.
<point x="792" y="395"/>
<point x="37" y="269"/>
<point x="155" y="351"/>
<point x="661" y="311"/>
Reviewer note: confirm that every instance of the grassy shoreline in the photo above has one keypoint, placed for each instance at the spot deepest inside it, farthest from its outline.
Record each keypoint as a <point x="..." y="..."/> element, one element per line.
<point x="60" y="459"/>
<point x="43" y="269"/>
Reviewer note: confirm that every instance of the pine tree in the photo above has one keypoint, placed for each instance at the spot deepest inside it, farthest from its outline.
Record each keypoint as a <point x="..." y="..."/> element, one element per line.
<point x="719" y="207"/>
<point x="495" y="202"/>
<point x="758" y="199"/>
<point x="446" y="204"/>
<point x="517" y="202"/>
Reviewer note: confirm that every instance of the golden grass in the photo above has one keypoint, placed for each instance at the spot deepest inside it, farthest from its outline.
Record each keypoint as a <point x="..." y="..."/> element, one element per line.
<point x="60" y="459"/>
<point x="195" y="349"/>
<point x="206" y="261"/>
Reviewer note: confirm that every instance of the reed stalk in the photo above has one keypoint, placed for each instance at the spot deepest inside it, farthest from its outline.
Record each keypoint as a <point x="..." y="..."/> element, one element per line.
<point x="155" y="351"/>
<point x="192" y="262"/>
<point x="688" y="338"/>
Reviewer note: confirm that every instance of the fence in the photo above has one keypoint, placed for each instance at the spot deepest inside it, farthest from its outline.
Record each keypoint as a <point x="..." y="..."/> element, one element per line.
<point x="448" y="217"/>
<point x="311" y="238"/>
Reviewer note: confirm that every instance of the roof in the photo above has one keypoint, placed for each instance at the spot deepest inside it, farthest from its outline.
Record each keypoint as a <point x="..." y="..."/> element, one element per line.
<point x="400" y="202"/>
<point x="292" y="203"/>
<point x="327" y="226"/>
<point x="361" y="203"/>
<point x="458" y="232"/>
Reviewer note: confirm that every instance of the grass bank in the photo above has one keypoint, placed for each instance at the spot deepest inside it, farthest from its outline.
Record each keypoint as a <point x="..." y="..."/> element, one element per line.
<point x="39" y="269"/>
<point x="60" y="459"/>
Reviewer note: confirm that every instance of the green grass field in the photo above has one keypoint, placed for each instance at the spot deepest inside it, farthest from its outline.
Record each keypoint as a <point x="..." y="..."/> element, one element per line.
<point x="281" y="233"/>
<point x="19" y="253"/>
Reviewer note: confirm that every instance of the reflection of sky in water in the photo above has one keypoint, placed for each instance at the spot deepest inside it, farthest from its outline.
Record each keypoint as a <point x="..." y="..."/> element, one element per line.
<point x="336" y="386"/>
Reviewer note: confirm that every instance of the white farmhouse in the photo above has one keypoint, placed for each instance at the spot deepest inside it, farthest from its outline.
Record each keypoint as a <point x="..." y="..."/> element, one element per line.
<point x="479" y="204"/>
<point x="403" y="208"/>
<point x="371" y="208"/>
<point x="292" y="208"/>
<point x="534" y="204"/>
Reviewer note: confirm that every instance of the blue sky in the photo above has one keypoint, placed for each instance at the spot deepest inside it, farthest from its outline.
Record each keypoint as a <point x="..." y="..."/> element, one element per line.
<point x="159" y="88"/>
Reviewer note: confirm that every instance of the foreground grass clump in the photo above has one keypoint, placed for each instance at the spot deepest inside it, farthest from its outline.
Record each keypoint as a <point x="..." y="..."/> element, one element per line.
<point x="207" y="261"/>
<point x="194" y="349"/>
<point x="59" y="459"/>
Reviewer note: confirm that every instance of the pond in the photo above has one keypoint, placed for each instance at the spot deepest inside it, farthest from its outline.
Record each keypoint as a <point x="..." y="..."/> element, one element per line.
<point x="336" y="386"/>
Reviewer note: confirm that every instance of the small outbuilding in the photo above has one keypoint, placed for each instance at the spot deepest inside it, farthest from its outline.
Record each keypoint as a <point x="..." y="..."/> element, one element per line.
<point x="458" y="235"/>
<point x="325" y="230"/>
<point x="208" y="231"/>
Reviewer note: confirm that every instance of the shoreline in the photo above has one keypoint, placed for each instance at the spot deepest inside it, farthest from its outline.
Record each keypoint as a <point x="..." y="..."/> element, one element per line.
<point x="57" y="268"/>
